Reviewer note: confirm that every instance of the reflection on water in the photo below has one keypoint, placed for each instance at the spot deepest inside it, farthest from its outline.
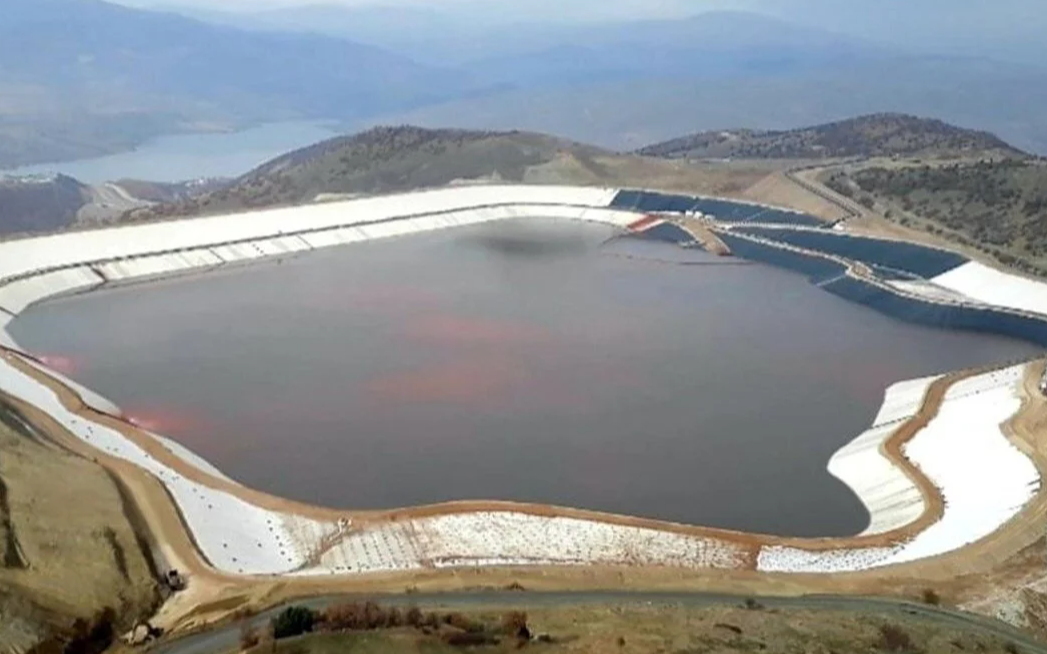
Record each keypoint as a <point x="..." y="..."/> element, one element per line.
<point x="511" y="361"/>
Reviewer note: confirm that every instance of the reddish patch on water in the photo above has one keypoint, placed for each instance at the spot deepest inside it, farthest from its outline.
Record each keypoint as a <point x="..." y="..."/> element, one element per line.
<point x="481" y="382"/>
<point x="164" y="420"/>
<point x="60" y="363"/>
<point x="448" y="329"/>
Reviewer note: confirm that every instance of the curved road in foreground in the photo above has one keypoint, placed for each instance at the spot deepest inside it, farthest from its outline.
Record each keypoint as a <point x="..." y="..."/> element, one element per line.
<point x="226" y="639"/>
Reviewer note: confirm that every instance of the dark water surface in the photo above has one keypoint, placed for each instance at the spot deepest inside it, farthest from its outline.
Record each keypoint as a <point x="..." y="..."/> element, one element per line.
<point x="510" y="361"/>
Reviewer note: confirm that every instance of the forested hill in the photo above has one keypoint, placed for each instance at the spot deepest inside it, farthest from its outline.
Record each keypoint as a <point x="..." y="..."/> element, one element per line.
<point x="876" y="135"/>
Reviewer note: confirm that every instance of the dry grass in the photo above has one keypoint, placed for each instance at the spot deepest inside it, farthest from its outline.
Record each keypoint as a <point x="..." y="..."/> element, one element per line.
<point x="80" y="550"/>
<point x="676" y="630"/>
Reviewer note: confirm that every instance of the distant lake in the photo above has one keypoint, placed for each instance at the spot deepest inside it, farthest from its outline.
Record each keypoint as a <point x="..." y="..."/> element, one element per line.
<point x="189" y="156"/>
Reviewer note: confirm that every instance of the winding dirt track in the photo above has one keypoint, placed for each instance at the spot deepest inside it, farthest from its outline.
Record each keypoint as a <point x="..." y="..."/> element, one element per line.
<point x="213" y="594"/>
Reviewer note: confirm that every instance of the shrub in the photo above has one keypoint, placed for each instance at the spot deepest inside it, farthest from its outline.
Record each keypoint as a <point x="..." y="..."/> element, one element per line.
<point x="514" y="623"/>
<point x="459" y="621"/>
<point x="293" y="621"/>
<point x="930" y="596"/>
<point x="894" y="639"/>
<point x="249" y="636"/>
<point x="414" y="617"/>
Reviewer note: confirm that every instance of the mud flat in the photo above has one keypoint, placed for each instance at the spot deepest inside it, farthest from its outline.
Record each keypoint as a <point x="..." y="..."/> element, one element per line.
<point x="950" y="444"/>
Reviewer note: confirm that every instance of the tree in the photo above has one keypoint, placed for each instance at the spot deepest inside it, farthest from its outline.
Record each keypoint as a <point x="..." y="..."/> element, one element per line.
<point x="293" y="621"/>
<point x="414" y="617"/>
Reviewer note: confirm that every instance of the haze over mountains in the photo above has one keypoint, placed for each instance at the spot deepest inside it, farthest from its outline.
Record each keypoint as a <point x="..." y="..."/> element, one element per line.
<point x="80" y="78"/>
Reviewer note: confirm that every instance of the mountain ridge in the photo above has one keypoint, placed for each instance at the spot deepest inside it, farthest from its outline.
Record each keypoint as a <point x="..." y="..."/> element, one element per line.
<point x="872" y="135"/>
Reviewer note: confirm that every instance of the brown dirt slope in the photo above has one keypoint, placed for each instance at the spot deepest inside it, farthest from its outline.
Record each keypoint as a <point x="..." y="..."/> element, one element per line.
<point x="68" y="550"/>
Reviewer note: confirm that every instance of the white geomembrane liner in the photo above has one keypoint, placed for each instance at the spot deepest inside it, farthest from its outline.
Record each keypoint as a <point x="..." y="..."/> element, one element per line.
<point x="190" y="457"/>
<point x="991" y="286"/>
<point x="984" y="479"/>
<point x="234" y="535"/>
<point x="512" y="538"/>
<point x="520" y="538"/>
<point x="890" y="497"/>
<point x="929" y="291"/>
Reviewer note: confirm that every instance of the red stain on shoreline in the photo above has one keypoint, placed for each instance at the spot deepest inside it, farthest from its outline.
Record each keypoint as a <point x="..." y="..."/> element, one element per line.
<point x="164" y="420"/>
<point x="62" y="364"/>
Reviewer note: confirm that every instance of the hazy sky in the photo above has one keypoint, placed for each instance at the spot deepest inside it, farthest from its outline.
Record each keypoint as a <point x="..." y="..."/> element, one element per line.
<point x="534" y="9"/>
<point x="910" y="22"/>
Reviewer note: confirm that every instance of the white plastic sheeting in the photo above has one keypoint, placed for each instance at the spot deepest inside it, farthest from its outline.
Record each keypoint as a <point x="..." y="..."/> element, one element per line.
<point x="930" y="291"/>
<point x="234" y="535"/>
<point x="891" y="498"/>
<point x="144" y="251"/>
<point x="17" y="295"/>
<point x="990" y="286"/>
<point x="512" y="538"/>
<point x="984" y="479"/>
<point x="28" y="255"/>
<point x="780" y="558"/>
<point x="90" y="398"/>
<point x="190" y="457"/>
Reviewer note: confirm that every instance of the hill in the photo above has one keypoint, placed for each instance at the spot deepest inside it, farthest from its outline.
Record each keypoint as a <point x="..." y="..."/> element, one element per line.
<point x="876" y="135"/>
<point x="997" y="207"/>
<point x="35" y="204"/>
<point x="631" y="113"/>
<point x="392" y="159"/>
<point x="106" y="76"/>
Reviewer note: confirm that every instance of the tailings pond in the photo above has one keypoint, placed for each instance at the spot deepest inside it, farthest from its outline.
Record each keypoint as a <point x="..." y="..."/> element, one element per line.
<point x="528" y="360"/>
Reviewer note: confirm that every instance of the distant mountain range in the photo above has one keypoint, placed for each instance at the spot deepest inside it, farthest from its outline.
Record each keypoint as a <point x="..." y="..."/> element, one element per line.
<point x="80" y="78"/>
<point x="627" y="114"/>
<point x="103" y="75"/>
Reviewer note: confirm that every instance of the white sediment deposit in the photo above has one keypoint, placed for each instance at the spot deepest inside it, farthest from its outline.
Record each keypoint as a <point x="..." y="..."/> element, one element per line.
<point x="985" y="480"/>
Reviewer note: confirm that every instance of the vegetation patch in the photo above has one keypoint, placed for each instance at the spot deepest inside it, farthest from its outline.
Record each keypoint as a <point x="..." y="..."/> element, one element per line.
<point x="998" y="207"/>
<point x="877" y="135"/>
